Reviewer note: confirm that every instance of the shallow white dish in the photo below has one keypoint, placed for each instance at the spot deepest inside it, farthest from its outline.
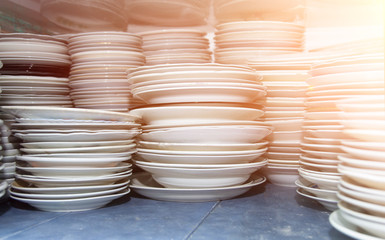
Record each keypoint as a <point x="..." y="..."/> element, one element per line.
<point x="67" y="113"/>
<point x="97" y="135"/>
<point x="329" y="204"/>
<point x="318" y="192"/>
<point x="71" y="205"/>
<point x="368" y="135"/>
<point x="365" y="154"/>
<point x="369" y="178"/>
<point x="143" y="184"/>
<point x="201" y="178"/>
<point x="371" y="224"/>
<point x="281" y="176"/>
<point x="79" y="181"/>
<point x="68" y="190"/>
<point x="200" y="94"/>
<point x="98" y="149"/>
<point x="321" y="154"/>
<point x="323" y="183"/>
<point x="362" y="163"/>
<point x="83" y="160"/>
<point x="194" y="114"/>
<point x="208" y="134"/>
<point x="74" y="144"/>
<point x="201" y="146"/>
<point x="338" y="222"/>
<point x="14" y="192"/>
<point x="371" y="208"/>
<point x="74" y="171"/>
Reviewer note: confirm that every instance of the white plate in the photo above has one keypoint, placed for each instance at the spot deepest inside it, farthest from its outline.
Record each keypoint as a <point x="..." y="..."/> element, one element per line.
<point x="371" y="208"/>
<point x="208" y="134"/>
<point x="329" y="204"/>
<point x="364" y="178"/>
<point x="348" y="77"/>
<point x="73" y="125"/>
<point x="356" y="125"/>
<point x="99" y="149"/>
<point x="71" y="205"/>
<point x="317" y="160"/>
<point x="361" y="163"/>
<point x="367" y="191"/>
<point x="74" y="171"/>
<point x="143" y="184"/>
<point x="74" y="144"/>
<point x="365" y="154"/>
<point x="75" y="160"/>
<point x="194" y="114"/>
<point x="321" y="147"/>
<point x="367" y="135"/>
<point x="67" y="113"/>
<point x="201" y="146"/>
<point x="375" y="199"/>
<point x="200" y="166"/>
<point x="110" y="135"/>
<point x="200" y="94"/>
<point x="363" y="145"/>
<point x="286" y="136"/>
<point x="281" y="175"/>
<point x="321" y="182"/>
<point x="67" y="182"/>
<point x="200" y="157"/>
<point x="332" y="141"/>
<point x="318" y="192"/>
<point x="372" y="224"/>
<point x="68" y="190"/>
<point x="338" y="222"/>
<point x="326" y="133"/>
<point x="14" y="192"/>
<point x="202" y="178"/>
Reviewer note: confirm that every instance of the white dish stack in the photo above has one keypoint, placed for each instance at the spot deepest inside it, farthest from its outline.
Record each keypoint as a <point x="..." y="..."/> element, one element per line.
<point x="72" y="159"/>
<point x="361" y="189"/>
<point x="285" y="79"/>
<point x="35" y="73"/>
<point x="98" y="77"/>
<point x="170" y="46"/>
<point x="202" y="139"/>
<point x="236" y="42"/>
<point x="353" y="76"/>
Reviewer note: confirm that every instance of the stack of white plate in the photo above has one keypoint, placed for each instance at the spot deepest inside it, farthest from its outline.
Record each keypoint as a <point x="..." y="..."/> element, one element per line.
<point x="98" y="77"/>
<point x="35" y="73"/>
<point x="171" y="13"/>
<point x="85" y="16"/>
<point x="35" y="70"/>
<point x="236" y="42"/>
<point x="33" y="55"/>
<point x="332" y="81"/>
<point x="72" y="159"/>
<point x="3" y="183"/>
<point x="284" y="110"/>
<point x="175" y="46"/>
<point x="361" y="190"/>
<point x="202" y="134"/>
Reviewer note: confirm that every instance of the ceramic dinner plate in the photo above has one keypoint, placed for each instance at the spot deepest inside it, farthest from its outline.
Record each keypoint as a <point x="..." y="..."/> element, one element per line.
<point x="194" y="114"/>
<point x="351" y="230"/>
<point x="67" y="113"/>
<point x="71" y="205"/>
<point x="143" y="184"/>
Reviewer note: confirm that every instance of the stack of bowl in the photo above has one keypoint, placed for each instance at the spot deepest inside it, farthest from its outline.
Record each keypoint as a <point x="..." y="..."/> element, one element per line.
<point x="72" y="159"/>
<point x="361" y="190"/>
<point x="285" y="79"/>
<point x="201" y="132"/>
<point x="35" y="73"/>
<point x="236" y="42"/>
<point x="98" y="78"/>
<point x="332" y="81"/>
<point x="175" y="46"/>
<point x="3" y="183"/>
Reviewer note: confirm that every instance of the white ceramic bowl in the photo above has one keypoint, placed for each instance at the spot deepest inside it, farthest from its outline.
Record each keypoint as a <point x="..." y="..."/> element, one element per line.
<point x="282" y="176"/>
<point x="208" y="134"/>
<point x="202" y="178"/>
